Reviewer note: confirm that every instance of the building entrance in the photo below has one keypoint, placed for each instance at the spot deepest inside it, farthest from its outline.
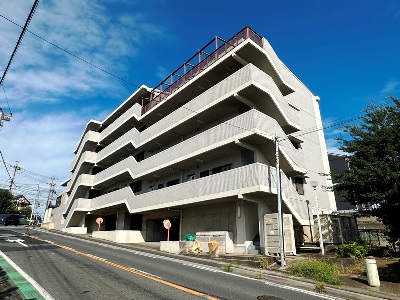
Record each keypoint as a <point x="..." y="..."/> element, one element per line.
<point x="156" y="232"/>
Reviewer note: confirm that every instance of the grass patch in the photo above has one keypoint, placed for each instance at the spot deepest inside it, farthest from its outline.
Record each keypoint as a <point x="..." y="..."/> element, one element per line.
<point x="318" y="270"/>
<point x="258" y="276"/>
<point x="264" y="263"/>
<point x="320" y="287"/>
<point x="227" y="267"/>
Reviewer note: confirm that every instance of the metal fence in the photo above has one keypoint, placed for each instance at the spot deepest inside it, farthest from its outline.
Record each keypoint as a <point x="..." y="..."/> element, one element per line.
<point x="205" y="57"/>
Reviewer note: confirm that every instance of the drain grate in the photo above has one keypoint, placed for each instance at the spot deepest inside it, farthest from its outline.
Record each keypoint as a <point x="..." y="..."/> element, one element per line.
<point x="265" y="297"/>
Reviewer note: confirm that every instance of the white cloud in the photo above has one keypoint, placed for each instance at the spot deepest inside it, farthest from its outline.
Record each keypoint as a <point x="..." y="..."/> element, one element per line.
<point x="41" y="72"/>
<point x="391" y="87"/>
<point x="52" y="94"/>
<point x="43" y="144"/>
<point x="332" y="147"/>
<point x="162" y="73"/>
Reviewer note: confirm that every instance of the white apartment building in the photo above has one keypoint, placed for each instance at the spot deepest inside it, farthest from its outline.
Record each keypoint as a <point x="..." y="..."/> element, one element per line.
<point x="199" y="150"/>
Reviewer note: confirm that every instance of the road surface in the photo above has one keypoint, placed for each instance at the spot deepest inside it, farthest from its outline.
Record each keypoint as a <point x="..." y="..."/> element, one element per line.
<point x="69" y="267"/>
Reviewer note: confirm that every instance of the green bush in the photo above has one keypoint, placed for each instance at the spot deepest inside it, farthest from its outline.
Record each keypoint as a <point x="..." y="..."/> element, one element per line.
<point x="318" y="270"/>
<point x="357" y="249"/>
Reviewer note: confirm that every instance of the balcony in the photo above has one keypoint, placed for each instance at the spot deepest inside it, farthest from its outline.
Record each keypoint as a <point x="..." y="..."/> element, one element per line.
<point x="248" y="180"/>
<point x="251" y="125"/>
<point x="249" y="79"/>
<point x="205" y="57"/>
<point x="86" y="157"/>
<point x="90" y="136"/>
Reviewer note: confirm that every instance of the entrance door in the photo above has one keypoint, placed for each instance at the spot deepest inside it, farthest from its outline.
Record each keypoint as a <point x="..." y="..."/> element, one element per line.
<point x="110" y="222"/>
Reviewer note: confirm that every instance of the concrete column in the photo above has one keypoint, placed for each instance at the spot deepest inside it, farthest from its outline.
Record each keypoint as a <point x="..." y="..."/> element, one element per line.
<point x="120" y="219"/>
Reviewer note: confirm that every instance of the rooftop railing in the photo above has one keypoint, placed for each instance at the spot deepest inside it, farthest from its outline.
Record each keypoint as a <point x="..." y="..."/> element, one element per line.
<point x="204" y="58"/>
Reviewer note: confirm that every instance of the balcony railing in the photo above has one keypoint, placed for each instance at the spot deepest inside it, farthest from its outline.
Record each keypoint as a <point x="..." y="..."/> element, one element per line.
<point x="204" y="58"/>
<point x="247" y="179"/>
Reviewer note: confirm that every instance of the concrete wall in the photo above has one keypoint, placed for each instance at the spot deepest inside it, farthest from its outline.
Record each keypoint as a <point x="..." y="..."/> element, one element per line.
<point x="336" y="229"/>
<point x="75" y="230"/>
<point x="216" y="217"/>
<point x="120" y="236"/>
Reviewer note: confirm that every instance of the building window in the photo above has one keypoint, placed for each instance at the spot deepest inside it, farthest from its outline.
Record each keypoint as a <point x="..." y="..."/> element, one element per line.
<point x="96" y="170"/>
<point x="298" y="184"/>
<point x="191" y="177"/>
<point x="136" y="186"/>
<point x="221" y="169"/>
<point x="204" y="173"/>
<point x="139" y="156"/>
<point x="172" y="182"/>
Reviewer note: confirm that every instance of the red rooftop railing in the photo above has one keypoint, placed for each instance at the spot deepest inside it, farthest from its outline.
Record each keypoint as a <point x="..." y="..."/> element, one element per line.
<point x="205" y="57"/>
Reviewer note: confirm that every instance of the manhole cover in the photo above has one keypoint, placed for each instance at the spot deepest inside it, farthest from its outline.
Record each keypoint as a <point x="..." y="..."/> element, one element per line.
<point x="265" y="297"/>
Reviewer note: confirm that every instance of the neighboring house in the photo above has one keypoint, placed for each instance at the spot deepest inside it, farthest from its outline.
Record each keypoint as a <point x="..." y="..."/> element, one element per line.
<point x="370" y="229"/>
<point x="21" y="201"/>
<point x="199" y="150"/>
<point x="338" y="163"/>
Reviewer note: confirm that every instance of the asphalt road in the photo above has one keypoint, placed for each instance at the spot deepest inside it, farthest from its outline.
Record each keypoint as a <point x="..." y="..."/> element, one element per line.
<point x="73" y="268"/>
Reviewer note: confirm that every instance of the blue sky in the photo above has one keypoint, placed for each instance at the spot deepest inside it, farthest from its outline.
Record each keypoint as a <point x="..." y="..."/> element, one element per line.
<point x="346" y="52"/>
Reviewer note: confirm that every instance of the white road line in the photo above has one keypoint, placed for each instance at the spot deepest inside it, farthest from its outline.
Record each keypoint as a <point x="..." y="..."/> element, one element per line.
<point x="19" y="241"/>
<point x="41" y="290"/>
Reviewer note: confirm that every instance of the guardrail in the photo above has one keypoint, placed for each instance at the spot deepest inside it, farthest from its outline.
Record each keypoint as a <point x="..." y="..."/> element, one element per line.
<point x="205" y="57"/>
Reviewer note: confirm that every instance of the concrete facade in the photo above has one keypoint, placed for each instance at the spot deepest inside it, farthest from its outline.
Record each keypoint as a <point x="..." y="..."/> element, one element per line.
<point x="199" y="150"/>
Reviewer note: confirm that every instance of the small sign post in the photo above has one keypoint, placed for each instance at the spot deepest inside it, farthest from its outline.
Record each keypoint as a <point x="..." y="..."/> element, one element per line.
<point x="99" y="220"/>
<point x="167" y="225"/>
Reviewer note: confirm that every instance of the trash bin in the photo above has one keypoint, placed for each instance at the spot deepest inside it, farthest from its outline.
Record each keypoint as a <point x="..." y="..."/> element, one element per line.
<point x="190" y="237"/>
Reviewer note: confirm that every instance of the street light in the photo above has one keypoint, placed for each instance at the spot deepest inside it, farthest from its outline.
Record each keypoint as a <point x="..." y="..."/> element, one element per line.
<point x="314" y="184"/>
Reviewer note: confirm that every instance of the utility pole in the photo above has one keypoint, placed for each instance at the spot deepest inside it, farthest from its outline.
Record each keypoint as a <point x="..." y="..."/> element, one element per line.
<point x="35" y="202"/>
<point x="314" y="184"/>
<point x="278" y="191"/>
<point x="4" y="117"/>
<point x="51" y="192"/>
<point x="16" y="168"/>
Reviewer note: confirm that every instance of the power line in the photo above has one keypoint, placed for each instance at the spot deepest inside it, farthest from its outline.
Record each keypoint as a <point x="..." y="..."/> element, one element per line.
<point x="5" y="166"/>
<point x="70" y="53"/>
<point x="21" y="36"/>
<point x="5" y="96"/>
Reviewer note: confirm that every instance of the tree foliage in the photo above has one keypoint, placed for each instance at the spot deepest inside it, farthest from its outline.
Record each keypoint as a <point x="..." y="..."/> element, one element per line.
<point x="373" y="177"/>
<point x="26" y="211"/>
<point x="6" y="201"/>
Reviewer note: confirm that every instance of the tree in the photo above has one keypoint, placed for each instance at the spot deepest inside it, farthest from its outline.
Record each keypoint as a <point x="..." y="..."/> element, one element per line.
<point x="6" y="201"/>
<point x="26" y="211"/>
<point x="373" y="177"/>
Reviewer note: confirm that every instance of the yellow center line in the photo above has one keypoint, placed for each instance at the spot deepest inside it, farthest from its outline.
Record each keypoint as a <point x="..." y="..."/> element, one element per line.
<point x="133" y="271"/>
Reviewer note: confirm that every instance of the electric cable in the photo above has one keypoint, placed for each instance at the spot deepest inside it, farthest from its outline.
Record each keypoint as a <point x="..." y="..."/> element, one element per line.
<point x="72" y="54"/>
<point x="4" y="91"/>
<point x="4" y="163"/>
